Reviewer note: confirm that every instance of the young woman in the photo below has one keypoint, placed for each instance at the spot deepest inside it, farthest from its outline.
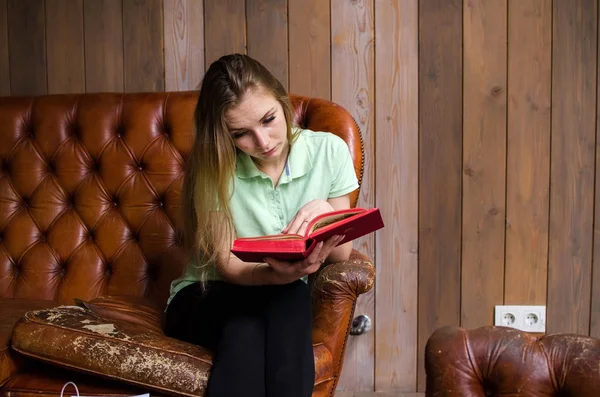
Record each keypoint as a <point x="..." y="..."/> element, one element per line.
<point x="252" y="173"/>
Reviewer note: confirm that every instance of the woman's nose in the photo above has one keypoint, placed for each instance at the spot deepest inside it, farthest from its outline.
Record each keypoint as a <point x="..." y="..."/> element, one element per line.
<point x="262" y="140"/>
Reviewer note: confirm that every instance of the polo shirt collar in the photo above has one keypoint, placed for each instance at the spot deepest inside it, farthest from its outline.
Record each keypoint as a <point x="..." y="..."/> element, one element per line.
<point x="299" y="161"/>
<point x="298" y="164"/>
<point x="245" y="167"/>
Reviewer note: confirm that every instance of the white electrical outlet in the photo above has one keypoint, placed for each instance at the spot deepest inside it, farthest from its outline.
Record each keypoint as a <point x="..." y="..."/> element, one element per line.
<point x="525" y="318"/>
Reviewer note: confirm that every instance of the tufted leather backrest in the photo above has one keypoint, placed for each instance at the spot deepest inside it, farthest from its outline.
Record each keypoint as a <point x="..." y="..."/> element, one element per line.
<point x="498" y="361"/>
<point x="90" y="190"/>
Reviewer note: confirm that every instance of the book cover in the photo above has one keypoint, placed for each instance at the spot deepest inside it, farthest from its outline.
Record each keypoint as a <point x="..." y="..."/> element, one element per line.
<point x="352" y="222"/>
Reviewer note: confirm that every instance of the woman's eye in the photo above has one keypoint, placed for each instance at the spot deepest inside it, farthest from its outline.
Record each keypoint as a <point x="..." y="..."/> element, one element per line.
<point x="237" y="135"/>
<point x="269" y="119"/>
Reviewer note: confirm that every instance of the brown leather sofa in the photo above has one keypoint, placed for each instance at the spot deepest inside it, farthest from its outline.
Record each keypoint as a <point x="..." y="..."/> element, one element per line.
<point x="89" y="243"/>
<point x="499" y="361"/>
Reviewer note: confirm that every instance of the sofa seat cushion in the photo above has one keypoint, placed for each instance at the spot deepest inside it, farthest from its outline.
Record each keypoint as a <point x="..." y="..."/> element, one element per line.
<point x="11" y="310"/>
<point x="77" y="338"/>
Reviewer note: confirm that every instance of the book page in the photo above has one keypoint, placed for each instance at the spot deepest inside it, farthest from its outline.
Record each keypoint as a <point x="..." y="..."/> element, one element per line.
<point x="273" y="237"/>
<point x="329" y="220"/>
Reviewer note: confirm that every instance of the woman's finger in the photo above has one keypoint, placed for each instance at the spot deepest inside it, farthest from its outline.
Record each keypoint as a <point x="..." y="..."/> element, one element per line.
<point x="329" y="245"/>
<point x="303" y="227"/>
<point x="287" y="228"/>
<point x="314" y="256"/>
<point x="295" y="226"/>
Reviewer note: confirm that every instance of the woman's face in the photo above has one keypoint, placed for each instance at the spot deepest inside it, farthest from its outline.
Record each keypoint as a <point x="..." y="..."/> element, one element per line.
<point x="258" y="126"/>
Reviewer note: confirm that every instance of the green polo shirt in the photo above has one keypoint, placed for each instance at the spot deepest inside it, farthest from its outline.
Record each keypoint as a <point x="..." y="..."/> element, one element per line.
<point x="319" y="166"/>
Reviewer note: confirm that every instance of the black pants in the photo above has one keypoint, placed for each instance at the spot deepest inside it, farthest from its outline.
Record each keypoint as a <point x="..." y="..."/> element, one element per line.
<point x="261" y="336"/>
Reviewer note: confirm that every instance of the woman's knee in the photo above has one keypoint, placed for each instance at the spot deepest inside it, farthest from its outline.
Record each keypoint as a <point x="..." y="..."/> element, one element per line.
<point x="292" y="298"/>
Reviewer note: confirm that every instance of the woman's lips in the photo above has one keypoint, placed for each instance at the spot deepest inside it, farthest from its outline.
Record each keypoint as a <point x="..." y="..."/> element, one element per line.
<point x="270" y="152"/>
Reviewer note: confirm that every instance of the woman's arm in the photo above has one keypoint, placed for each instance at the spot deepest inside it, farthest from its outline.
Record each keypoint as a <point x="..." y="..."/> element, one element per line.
<point x="310" y="211"/>
<point x="236" y="271"/>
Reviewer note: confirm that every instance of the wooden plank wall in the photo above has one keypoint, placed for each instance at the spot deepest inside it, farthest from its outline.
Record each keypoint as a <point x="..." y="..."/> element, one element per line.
<point x="480" y="122"/>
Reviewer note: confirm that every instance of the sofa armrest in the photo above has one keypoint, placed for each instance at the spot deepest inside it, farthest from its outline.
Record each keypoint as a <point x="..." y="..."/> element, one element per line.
<point x="130" y="309"/>
<point x="336" y="289"/>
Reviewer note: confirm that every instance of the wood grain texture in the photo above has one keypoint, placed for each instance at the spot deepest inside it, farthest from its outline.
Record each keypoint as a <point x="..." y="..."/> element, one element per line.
<point x="103" y="32"/>
<point x="4" y="63"/>
<point x="143" y="46"/>
<point x="595" y="303"/>
<point x="572" y="165"/>
<point x="184" y="44"/>
<point x="268" y="35"/>
<point x="528" y="151"/>
<point x="440" y="147"/>
<point x="484" y="160"/>
<point x="309" y="48"/>
<point x="397" y="163"/>
<point x="352" y="87"/>
<point x="27" y="47"/>
<point x="65" y="46"/>
<point x="552" y="243"/>
<point x="224" y="28"/>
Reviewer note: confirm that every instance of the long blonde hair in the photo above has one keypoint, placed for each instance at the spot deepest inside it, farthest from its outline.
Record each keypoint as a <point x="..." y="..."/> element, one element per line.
<point x="208" y="182"/>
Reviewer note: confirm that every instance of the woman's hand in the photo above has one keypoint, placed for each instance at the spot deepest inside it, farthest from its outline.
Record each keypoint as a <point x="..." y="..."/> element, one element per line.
<point x="287" y="272"/>
<point x="307" y="213"/>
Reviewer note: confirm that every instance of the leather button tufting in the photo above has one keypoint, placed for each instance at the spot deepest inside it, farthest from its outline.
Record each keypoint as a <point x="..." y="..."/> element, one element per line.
<point x="178" y="239"/>
<point x="152" y="272"/>
<point x="120" y="131"/>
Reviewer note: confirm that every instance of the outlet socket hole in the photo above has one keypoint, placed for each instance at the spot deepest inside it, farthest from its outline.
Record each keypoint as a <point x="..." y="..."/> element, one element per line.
<point x="508" y="319"/>
<point x="531" y="319"/>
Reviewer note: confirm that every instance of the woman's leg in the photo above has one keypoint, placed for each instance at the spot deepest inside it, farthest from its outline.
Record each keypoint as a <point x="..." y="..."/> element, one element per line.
<point x="225" y="319"/>
<point x="239" y="364"/>
<point x="290" y="369"/>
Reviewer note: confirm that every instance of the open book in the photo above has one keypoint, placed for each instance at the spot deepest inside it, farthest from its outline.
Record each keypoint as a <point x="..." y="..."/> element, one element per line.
<point x="352" y="222"/>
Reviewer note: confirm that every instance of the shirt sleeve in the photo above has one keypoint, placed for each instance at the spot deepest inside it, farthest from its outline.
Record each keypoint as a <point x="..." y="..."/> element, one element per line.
<point x="344" y="179"/>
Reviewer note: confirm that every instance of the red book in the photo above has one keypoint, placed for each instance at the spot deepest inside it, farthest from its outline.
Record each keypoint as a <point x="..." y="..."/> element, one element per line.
<point x="352" y="222"/>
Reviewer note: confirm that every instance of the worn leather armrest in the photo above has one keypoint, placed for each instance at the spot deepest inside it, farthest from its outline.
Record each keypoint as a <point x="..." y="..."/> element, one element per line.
<point x="135" y="310"/>
<point x="336" y="289"/>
